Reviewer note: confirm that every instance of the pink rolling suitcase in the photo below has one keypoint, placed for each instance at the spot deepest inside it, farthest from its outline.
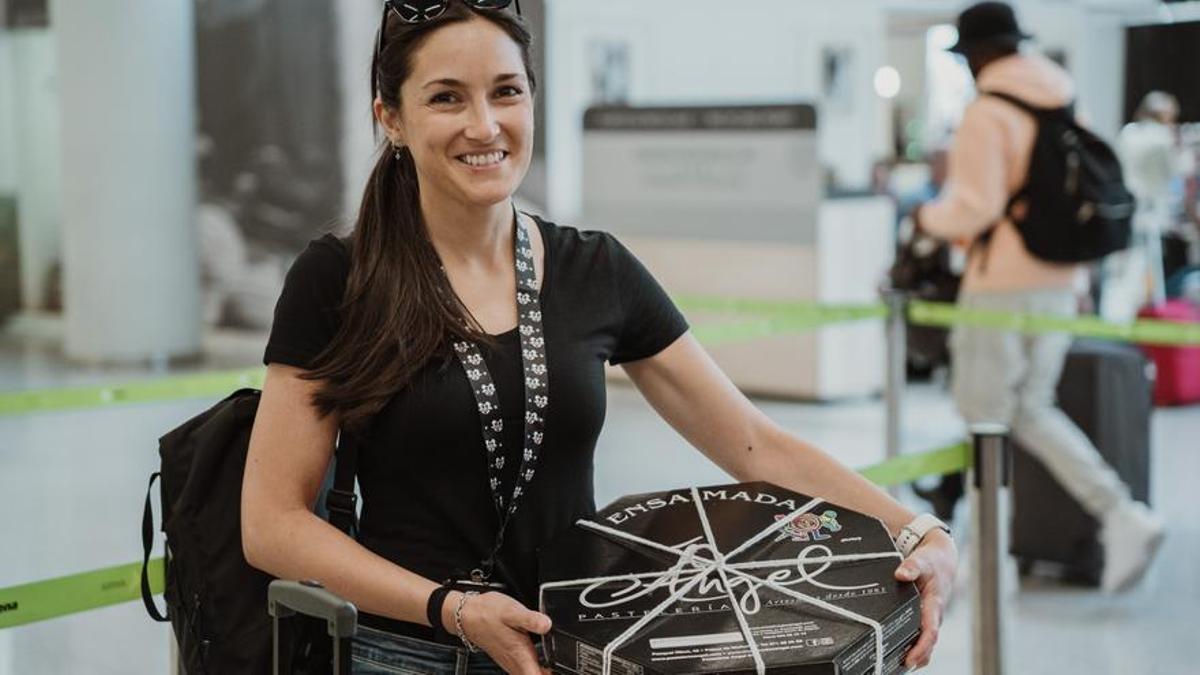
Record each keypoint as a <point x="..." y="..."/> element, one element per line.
<point x="1178" y="367"/>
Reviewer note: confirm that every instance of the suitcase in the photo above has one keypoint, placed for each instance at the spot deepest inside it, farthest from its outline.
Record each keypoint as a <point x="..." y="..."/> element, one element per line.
<point x="1106" y="390"/>
<point x="1178" y="380"/>
<point x="303" y="610"/>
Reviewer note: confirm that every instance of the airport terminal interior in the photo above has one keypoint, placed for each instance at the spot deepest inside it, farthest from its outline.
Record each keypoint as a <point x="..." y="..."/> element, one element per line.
<point x="163" y="164"/>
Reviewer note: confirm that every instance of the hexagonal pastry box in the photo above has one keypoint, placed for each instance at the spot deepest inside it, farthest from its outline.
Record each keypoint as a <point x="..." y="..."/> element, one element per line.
<point x="741" y="578"/>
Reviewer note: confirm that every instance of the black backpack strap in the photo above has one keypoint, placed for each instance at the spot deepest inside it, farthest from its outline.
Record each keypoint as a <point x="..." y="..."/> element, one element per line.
<point x="1020" y="103"/>
<point x="981" y="246"/>
<point x="340" y="501"/>
<point x="1067" y="111"/>
<point x="147" y="545"/>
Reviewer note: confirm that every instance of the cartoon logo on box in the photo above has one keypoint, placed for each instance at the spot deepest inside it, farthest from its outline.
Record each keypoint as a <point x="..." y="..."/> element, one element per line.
<point x="808" y="526"/>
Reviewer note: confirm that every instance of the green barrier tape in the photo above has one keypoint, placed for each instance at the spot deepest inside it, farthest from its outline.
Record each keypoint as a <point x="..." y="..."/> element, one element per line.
<point x="154" y="390"/>
<point x="41" y="600"/>
<point x="908" y="468"/>
<point x="772" y="318"/>
<point x="712" y="334"/>
<point x="1145" y="331"/>
<point x="53" y="598"/>
<point x="774" y="308"/>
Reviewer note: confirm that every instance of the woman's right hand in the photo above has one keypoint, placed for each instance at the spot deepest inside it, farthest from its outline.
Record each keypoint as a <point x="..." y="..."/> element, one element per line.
<point x="500" y="626"/>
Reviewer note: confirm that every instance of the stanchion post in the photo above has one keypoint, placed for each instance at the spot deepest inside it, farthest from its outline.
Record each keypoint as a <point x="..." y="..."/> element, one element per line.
<point x="897" y="358"/>
<point x="990" y="476"/>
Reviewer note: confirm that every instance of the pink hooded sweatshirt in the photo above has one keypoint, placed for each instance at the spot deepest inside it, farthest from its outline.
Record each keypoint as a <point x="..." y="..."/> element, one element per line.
<point x="988" y="163"/>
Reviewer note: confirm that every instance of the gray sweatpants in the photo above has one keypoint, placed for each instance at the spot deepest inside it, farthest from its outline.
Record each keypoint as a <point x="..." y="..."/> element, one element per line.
<point x="1007" y="377"/>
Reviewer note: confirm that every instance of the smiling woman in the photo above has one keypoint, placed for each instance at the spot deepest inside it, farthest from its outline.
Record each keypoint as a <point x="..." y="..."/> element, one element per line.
<point x="467" y="469"/>
<point x="448" y="91"/>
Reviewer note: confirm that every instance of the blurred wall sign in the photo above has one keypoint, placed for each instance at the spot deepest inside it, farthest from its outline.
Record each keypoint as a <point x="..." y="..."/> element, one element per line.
<point x="728" y="201"/>
<point x="838" y="77"/>
<point x="24" y="14"/>
<point x="695" y="172"/>
<point x="608" y="66"/>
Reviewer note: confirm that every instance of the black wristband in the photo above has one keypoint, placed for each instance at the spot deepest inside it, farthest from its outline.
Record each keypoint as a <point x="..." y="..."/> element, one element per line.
<point x="433" y="610"/>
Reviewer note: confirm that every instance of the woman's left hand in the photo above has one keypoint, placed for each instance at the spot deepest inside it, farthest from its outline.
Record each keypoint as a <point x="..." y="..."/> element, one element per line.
<point x="931" y="566"/>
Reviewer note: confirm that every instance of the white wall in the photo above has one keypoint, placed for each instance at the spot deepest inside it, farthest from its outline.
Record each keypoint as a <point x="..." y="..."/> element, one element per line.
<point x="1182" y="11"/>
<point x="8" y="139"/>
<point x="713" y="51"/>
<point x="1094" y="45"/>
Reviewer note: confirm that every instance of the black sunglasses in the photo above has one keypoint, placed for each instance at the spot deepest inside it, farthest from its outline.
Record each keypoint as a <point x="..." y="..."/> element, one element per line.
<point x="420" y="11"/>
<point x="413" y="12"/>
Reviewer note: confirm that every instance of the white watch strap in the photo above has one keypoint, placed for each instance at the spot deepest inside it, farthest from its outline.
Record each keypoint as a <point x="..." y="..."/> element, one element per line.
<point x="915" y="531"/>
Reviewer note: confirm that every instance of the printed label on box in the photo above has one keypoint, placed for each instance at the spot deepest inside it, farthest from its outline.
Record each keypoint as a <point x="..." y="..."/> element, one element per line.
<point x="590" y="661"/>
<point x="730" y="646"/>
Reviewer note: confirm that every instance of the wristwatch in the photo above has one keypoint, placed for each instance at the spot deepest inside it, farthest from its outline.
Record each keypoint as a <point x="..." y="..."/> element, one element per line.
<point x="912" y="533"/>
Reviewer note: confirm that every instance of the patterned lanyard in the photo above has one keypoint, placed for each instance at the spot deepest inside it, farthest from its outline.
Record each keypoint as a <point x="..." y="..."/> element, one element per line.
<point x="533" y="361"/>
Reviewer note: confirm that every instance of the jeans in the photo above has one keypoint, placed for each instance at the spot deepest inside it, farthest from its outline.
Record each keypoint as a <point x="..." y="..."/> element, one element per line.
<point x="377" y="652"/>
<point x="1003" y="376"/>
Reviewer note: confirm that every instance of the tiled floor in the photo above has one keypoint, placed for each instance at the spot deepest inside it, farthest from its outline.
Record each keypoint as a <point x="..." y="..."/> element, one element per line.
<point x="73" y="484"/>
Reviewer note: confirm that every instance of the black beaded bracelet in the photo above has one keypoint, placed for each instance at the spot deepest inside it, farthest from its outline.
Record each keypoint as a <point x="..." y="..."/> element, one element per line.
<point x="433" y="610"/>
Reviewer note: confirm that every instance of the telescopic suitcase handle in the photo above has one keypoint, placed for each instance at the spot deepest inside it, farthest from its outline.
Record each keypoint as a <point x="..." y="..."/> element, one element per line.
<point x="288" y="598"/>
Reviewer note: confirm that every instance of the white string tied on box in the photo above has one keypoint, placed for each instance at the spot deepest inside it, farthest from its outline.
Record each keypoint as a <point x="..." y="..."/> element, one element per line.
<point x="733" y="601"/>
<point x="719" y="563"/>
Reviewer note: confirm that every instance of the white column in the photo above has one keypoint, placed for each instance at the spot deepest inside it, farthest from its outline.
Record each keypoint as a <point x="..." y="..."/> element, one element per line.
<point x="126" y="82"/>
<point x="29" y="154"/>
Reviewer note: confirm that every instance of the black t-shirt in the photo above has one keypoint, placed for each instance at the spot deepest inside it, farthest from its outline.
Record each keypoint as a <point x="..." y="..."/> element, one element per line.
<point x="422" y="470"/>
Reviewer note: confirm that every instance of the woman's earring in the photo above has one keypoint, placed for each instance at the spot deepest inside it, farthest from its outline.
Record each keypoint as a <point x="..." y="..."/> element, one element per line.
<point x="396" y="150"/>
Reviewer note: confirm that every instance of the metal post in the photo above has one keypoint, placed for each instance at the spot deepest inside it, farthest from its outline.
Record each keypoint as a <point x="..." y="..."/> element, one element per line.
<point x="990" y="475"/>
<point x="897" y="357"/>
<point x="1154" y="259"/>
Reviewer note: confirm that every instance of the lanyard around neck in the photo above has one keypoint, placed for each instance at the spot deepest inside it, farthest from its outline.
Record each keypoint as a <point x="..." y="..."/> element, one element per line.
<point x="533" y="362"/>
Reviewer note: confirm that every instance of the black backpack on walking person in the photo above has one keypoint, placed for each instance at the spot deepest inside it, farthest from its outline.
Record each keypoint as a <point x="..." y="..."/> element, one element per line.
<point x="216" y="602"/>
<point x="1077" y="208"/>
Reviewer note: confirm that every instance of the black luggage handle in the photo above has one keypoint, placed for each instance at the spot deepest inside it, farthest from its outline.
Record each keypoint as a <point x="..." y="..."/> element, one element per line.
<point x="308" y="598"/>
<point x="287" y="598"/>
<point x="147" y="546"/>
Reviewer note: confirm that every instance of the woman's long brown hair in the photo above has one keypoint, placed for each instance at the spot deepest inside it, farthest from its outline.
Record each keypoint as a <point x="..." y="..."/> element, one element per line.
<point x="399" y="309"/>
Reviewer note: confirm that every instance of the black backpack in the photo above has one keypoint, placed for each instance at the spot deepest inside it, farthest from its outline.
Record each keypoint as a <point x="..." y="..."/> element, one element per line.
<point x="216" y="602"/>
<point x="1077" y="206"/>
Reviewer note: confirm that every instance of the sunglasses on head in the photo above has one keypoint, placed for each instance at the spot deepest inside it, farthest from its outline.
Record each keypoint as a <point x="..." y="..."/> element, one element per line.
<point x="420" y="11"/>
<point x="414" y="12"/>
